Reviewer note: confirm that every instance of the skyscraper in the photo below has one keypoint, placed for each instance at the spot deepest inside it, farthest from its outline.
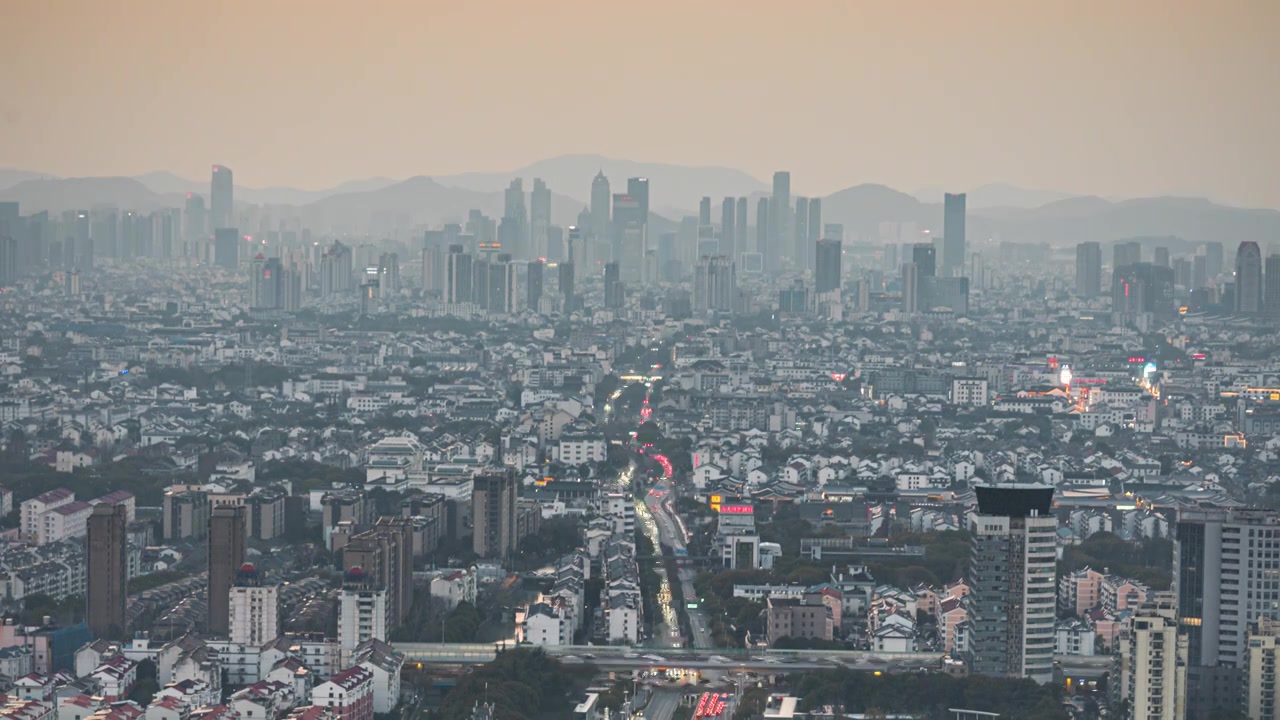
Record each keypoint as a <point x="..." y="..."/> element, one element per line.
<point x="600" y="199"/>
<point x="1012" y="582"/>
<point x="195" y="221"/>
<point x="221" y="198"/>
<point x="827" y="268"/>
<point x="779" y="220"/>
<point x="910" y="281"/>
<point x="1223" y="575"/>
<point x="1249" y="278"/>
<point x="925" y="256"/>
<point x="107" y="564"/>
<point x="1088" y="269"/>
<point x="800" y="249"/>
<point x="228" y="548"/>
<point x="457" y="276"/>
<point x="388" y="275"/>
<point x="704" y="211"/>
<point x="1141" y="288"/>
<point x="741" y="241"/>
<point x="226" y="247"/>
<point x="533" y="284"/>
<point x="762" y="225"/>
<point x="1271" y="280"/>
<point x="715" y="285"/>
<point x="629" y="238"/>
<point x="728" y="227"/>
<point x="493" y="515"/>
<point x="1213" y="255"/>
<point x="1162" y="257"/>
<point x="266" y="283"/>
<point x="613" y="292"/>
<point x="515" y="217"/>
<point x="638" y="188"/>
<point x="1126" y="253"/>
<point x="8" y="259"/>
<point x="539" y="219"/>
<point x="953" y="234"/>
<point x="815" y="227"/>
<point x="565" y="279"/>
<point x="337" y="271"/>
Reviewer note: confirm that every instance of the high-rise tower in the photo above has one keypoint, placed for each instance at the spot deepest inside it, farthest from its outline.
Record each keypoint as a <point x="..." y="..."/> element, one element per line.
<point x="728" y="227"/>
<point x="1249" y="278"/>
<point x="953" y="234"/>
<point x="779" y="220"/>
<point x="600" y="204"/>
<point x="228" y="548"/>
<point x="1088" y="269"/>
<point x="493" y="506"/>
<point x="107" y="562"/>
<point x="539" y="219"/>
<point x="1223" y="569"/>
<point x="1012" y="582"/>
<point x="221" y="198"/>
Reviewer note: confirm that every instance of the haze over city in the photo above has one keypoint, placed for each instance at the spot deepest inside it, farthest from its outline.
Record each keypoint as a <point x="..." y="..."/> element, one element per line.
<point x="1124" y="99"/>
<point x="694" y="360"/>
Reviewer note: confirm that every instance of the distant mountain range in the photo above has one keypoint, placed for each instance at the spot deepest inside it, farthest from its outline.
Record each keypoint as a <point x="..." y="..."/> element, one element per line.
<point x="1000" y="212"/>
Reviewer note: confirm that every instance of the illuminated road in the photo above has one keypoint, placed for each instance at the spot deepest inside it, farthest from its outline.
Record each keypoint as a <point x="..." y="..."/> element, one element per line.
<point x="663" y="704"/>
<point x="672" y="535"/>
<point x="667" y="631"/>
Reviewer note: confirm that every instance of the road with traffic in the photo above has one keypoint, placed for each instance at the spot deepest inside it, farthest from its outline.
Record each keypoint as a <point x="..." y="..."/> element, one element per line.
<point x="662" y="705"/>
<point x="673" y="535"/>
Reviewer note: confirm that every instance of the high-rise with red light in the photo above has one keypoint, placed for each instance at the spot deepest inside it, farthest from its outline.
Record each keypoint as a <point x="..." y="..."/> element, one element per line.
<point x="221" y="198"/>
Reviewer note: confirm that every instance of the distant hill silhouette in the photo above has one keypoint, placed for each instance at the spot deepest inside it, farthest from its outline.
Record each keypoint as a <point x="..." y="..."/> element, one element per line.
<point x="996" y="195"/>
<point x="862" y="208"/>
<point x="380" y="204"/>
<point x="10" y="177"/>
<point x="418" y="200"/>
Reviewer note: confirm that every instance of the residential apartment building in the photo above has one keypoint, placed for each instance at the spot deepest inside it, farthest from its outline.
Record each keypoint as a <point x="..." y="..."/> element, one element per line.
<point x="1012" y="569"/>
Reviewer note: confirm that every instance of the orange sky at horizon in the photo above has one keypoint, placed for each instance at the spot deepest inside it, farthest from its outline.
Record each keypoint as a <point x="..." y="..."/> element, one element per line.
<point x="1135" y="97"/>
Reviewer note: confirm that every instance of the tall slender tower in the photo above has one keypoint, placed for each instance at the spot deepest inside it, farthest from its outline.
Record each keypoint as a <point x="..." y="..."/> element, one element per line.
<point x="1088" y="269"/>
<point x="108" y="571"/>
<point x="638" y="188"/>
<point x="779" y="219"/>
<point x="801" y="250"/>
<point x="740" y="229"/>
<point x="762" y="225"/>
<point x="493" y="505"/>
<point x="600" y="208"/>
<point x="516" y="217"/>
<point x="1249" y="278"/>
<point x="539" y="219"/>
<point x="221" y="198"/>
<point x="1271" y="291"/>
<point x="953" y="235"/>
<point x="728" y="227"/>
<point x="228" y="532"/>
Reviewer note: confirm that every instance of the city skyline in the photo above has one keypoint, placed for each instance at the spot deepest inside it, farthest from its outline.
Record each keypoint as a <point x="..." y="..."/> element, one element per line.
<point x="372" y="124"/>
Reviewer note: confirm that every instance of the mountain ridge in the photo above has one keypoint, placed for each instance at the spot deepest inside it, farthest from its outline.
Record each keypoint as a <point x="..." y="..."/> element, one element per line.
<point x="378" y="204"/>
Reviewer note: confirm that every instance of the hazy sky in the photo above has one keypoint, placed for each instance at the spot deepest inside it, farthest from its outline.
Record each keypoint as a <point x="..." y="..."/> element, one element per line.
<point x="1109" y="97"/>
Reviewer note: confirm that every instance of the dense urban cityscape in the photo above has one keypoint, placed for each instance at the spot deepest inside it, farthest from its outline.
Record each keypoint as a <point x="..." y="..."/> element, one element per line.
<point x="747" y="463"/>
<point x="573" y="360"/>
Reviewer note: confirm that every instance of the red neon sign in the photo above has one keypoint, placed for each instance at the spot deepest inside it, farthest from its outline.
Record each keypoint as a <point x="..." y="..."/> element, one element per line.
<point x="736" y="510"/>
<point x="1137" y="359"/>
